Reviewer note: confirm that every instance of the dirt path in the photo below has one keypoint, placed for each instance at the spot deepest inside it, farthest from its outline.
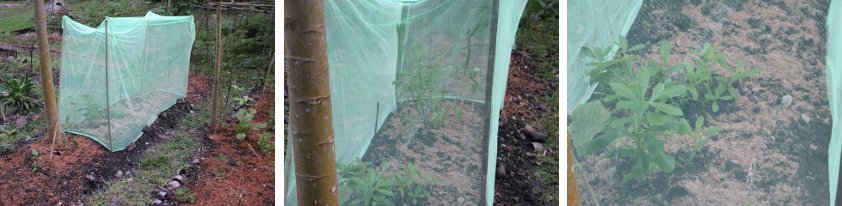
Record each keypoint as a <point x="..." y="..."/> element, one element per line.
<point x="70" y="175"/>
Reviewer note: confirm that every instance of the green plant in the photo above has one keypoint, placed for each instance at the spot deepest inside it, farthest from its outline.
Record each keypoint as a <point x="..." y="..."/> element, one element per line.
<point x="20" y="95"/>
<point x="423" y="82"/>
<point x="646" y="104"/>
<point x="360" y="184"/>
<point x="698" y="136"/>
<point x="184" y="195"/>
<point x="36" y="166"/>
<point x="265" y="143"/>
<point x="244" y="123"/>
<point x="715" y="88"/>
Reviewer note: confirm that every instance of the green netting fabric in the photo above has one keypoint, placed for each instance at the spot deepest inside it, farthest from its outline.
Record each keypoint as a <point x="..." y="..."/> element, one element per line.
<point x="388" y="56"/>
<point x="834" y="93"/>
<point x="117" y="78"/>
<point x="595" y="24"/>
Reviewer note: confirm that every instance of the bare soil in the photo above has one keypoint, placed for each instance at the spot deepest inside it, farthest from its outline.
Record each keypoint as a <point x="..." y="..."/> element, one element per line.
<point x="451" y="153"/>
<point x="752" y="161"/>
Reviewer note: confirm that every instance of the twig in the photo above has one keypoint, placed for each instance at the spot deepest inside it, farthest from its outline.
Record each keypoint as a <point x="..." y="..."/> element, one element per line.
<point x="252" y="150"/>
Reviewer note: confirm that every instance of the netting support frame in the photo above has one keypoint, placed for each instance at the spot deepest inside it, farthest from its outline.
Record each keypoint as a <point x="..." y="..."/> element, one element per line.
<point x="107" y="91"/>
<point x="489" y="89"/>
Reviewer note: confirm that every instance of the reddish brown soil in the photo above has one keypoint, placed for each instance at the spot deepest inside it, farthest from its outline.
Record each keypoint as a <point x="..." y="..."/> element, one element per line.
<point x="61" y="178"/>
<point x="243" y="176"/>
<point x="523" y="104"/>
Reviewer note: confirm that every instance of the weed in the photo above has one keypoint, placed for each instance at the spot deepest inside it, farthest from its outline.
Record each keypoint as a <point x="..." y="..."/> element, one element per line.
<point x="184" y="195"/>
<point x="265" y="143"/>
<point x="19" y="95"/>
<point x="244" y="123"/>
<point x="360" y="184"/>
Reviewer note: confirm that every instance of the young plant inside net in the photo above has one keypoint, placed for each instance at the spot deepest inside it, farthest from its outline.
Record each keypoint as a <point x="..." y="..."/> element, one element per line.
<point x="642" y="104"/>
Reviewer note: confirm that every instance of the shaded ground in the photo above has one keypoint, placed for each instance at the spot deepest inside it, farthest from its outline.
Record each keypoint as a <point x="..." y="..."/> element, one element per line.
<point x="751" y="161"/>
<point x="524" y="104"/>
<point x="75" y="172"/>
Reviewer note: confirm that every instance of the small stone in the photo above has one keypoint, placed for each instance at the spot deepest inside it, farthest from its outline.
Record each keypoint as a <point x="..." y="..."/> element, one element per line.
<point x="164" y="115"/>
<point x="539" y="148"/>
<point x="20" y="122"/>
<point x="501" y="170"/>
<point x="805" y="118"/>
<point x="130" y="147"/>
<point x="533" y="133"/>
<point x="162" y="194"/>
<point x="119" y="174"/>
<point x="460" y="201"/>
<point x="813" y="147"/>
<point x="786" y="100"/>
<point x="90" y="177"/>
<point x="179" y="178"/>
<point x="174" y="184"/>
<point x="156" y="202"/>
<point x="195" y="161"/>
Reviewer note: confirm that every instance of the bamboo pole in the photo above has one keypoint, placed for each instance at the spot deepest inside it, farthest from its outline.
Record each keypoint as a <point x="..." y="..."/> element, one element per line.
<point x="489" y="82"/>
<point x="310" y="103"/>
<point x="572" y="187"/>
<point x="46" y="72"/>
<point x="216" y="83"/>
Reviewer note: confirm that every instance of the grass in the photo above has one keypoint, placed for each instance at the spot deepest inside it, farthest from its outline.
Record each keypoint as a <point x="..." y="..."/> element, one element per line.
<point x="14" y="19"/>
<point x="156" y="166"/>
<point x="538" y="36"/>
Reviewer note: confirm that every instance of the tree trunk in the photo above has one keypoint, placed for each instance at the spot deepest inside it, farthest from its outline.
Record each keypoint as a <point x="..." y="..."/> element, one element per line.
<point x="310" y="103"/>
<point x="47" y="73"/>
<point x="216" y="83"/>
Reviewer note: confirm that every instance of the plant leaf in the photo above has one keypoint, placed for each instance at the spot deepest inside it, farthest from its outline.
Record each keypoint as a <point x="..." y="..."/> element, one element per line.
<point x="588" y="120"/>
<point x="668" y="109"/>
<point x="657" y="119"/>
<point x="636" y="47"/>
<point x="623" y="90"/>
<point x="669" y="92"/>
<point x="665" y="50"/>
<point x="661" y="159"/>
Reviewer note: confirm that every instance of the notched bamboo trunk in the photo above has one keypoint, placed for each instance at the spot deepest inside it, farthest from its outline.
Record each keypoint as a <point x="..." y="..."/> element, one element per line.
<point x="47" y="74"/>
<point x="310" y="103"/>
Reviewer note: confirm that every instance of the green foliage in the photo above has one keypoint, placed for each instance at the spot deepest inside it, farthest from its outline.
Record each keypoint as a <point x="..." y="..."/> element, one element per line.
<point x="360" y="184"/>
<point x="423" y="81"/>
<point x="20" y="95"/>
<point x="184" y="195"/>
<point x="537" y="35"/>
<point x="265" y="143"/>
<point x="715" y="88"/>
<point x="92" y="13"/>
<point x="244" y="123"/>
<point x="646" y="104"/>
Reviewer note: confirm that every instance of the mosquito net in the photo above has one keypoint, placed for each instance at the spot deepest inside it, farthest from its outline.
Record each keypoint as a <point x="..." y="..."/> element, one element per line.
<point x="117" y="78"/>
<point x="417" y="87"/>
<point x="686" y="102"/>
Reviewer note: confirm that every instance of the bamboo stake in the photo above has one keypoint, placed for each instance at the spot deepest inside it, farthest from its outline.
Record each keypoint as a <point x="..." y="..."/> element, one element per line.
<point x="216" y="83"/>
<point x="309" y="91"/>
<point x="46" y="72"/>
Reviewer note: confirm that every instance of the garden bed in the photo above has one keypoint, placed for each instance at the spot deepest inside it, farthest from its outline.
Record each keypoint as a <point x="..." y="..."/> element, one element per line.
<point x="451" y="153"/>
<point x="768" y="153"/>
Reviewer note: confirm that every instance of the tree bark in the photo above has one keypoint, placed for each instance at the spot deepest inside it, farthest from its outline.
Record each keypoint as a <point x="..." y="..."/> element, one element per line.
<point x="310" y="103"/>
<point x="216" y="83"/>
<point x="47" y="73"/>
